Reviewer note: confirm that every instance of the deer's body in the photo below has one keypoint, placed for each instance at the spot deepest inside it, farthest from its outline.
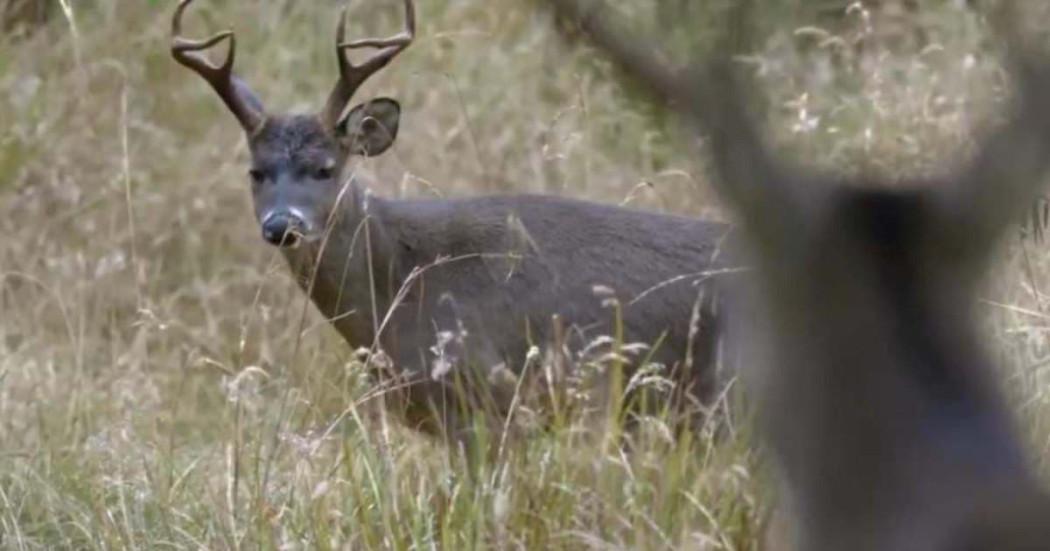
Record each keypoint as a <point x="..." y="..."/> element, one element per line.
<point x="509" y="264"/>
<point x="454" y="291"/>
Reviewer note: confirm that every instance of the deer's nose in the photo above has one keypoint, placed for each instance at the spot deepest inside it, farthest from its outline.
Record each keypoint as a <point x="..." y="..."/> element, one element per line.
<point x="282" y="229"/>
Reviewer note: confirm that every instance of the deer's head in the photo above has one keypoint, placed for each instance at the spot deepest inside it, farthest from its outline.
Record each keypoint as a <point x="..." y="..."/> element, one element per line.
<point x="298" y="160"/>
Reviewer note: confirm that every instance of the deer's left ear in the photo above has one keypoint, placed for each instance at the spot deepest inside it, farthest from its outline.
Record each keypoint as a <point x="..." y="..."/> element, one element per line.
<point x="370" y="128"/>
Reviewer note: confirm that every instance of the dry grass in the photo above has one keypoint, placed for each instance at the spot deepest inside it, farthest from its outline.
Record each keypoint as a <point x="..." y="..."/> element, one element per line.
<point x="157" y="388"/>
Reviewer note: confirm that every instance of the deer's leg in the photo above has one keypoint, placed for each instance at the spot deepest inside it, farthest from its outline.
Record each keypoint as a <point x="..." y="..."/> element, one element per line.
<point x="451" y="392"/>
<point x="700" y="378"/>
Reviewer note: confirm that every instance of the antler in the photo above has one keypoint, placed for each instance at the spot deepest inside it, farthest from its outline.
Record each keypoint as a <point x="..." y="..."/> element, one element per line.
<point x="898" y="443"/>
<point x="709" y="95"/>
<point x="233" y="92"/>
<point x="352" y="76"/>
<point x="1011" y="163"/>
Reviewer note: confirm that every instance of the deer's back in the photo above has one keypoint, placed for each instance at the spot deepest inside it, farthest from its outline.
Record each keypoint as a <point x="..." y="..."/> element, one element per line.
<point x="519" y="260"/>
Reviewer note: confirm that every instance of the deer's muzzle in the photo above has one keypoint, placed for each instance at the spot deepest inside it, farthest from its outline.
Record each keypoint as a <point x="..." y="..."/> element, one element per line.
<point x="283" y="228"/>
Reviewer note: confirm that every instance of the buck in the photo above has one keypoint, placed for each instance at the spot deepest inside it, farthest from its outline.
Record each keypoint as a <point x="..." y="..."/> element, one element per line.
<point x="453" y="291"/>
<point x="877" y="399"/>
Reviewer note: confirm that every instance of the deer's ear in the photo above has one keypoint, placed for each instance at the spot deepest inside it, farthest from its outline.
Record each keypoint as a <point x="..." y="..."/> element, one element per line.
<point x="370" y="128"/>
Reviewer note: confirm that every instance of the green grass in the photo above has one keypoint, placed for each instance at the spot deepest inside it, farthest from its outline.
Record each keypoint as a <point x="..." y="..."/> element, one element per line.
<point x="157" y="389"/>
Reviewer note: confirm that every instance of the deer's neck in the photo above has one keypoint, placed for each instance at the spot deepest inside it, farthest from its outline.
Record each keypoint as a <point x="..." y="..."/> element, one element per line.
<point x="351" y="273"/>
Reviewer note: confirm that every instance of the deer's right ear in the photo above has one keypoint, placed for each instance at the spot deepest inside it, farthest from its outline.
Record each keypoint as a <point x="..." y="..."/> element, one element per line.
<point x="370" y="128"/>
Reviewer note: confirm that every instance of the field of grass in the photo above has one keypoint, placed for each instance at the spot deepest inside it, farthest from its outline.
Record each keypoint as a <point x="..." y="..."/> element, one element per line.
<point x="165" y="384"/>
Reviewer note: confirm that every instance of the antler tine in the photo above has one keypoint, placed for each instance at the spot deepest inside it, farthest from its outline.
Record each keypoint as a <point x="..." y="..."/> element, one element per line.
<point x="642" y="66"/>
<point x="352" y="76"/>
<point x="220" y="77"/>
<point x="709" y="95"/>
<point x="1010" y="163"/>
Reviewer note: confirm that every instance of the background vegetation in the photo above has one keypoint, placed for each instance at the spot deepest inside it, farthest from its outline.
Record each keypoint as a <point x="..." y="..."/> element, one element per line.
<point x="159" y="386"/>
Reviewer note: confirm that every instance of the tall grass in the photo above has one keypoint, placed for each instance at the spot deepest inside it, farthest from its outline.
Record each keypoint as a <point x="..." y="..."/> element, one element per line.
<point x="157" y="388"/>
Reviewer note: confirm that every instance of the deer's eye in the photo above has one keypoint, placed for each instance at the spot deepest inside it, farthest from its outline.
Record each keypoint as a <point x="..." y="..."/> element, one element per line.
<point x="256" y="175"/>
<point x="325" y="170"/>
<point x="323" y="173"/>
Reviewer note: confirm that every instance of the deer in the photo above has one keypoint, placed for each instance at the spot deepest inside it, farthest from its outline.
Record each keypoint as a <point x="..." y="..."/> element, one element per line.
<point x="454" y="292"/>
<point x="879" y="403"/>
